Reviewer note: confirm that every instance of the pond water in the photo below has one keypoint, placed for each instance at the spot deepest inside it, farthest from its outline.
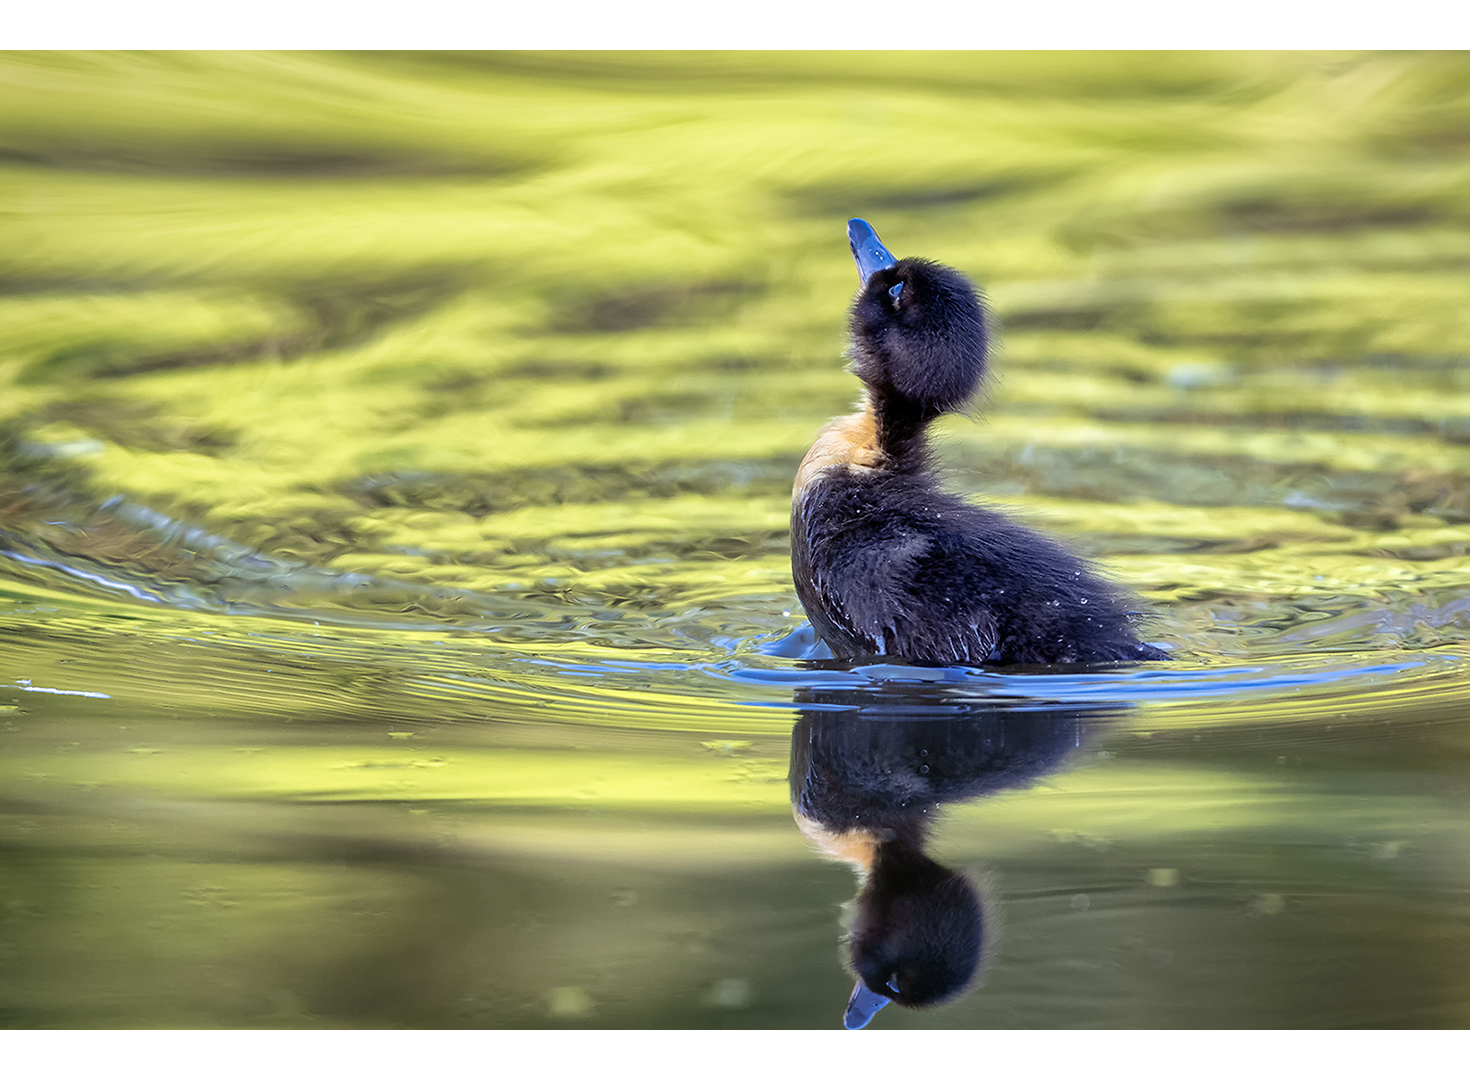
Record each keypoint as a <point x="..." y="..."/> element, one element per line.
<point x="396" y="625"/>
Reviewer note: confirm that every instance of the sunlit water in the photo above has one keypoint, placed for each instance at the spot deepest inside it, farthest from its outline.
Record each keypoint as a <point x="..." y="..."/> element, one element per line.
<point x="395" y="460"/>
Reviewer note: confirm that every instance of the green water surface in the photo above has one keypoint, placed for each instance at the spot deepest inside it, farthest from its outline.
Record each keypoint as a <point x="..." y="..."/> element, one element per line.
<point x="395" y="465"/>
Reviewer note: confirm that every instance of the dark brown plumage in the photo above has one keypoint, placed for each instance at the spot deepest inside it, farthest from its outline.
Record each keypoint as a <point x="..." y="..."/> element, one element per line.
<point x="888" y="564"/>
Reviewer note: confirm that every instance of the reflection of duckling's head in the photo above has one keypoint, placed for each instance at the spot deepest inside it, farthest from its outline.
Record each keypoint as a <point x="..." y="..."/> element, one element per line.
<point x="918" y="331"/>
<point x="918" y="935"/>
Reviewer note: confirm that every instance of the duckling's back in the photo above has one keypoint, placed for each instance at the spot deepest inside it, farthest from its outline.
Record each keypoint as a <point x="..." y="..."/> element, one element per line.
<point x="887" y="565"/>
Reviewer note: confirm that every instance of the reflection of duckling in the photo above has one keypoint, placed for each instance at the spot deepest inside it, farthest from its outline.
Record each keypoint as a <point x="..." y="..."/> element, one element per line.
<point x="886" y="563"/>
<point x="868" y="773"/>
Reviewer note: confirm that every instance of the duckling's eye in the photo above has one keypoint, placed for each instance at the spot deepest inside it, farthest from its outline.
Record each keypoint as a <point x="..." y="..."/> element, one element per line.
<point x="893" y="292"/>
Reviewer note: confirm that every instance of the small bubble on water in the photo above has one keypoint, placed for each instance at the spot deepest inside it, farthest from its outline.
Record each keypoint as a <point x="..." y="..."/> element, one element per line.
<point x="726" y="747"/>
<point x="1270" y="903"/>
<point x="728" y="994"/>
<point x="1163" y="877"/>
<point x="568" y="1001"/>
<point x="1081" y="902"/>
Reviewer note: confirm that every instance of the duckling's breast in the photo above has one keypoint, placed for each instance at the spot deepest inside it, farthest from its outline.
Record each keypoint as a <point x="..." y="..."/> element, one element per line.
<point x="848" y="440"/>
<point x="856" y="847"/>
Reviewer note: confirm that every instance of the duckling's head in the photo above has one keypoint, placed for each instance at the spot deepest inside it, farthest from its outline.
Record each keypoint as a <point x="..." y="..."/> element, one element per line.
<point x="919" y="333"/>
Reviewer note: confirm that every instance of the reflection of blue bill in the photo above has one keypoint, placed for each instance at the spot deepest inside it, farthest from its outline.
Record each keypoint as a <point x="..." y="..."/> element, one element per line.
<point x="862" y="1006"/>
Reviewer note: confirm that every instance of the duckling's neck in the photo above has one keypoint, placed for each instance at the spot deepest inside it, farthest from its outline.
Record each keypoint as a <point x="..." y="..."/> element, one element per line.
<point x="874" y="438"/>
<point x="901" y="424"/>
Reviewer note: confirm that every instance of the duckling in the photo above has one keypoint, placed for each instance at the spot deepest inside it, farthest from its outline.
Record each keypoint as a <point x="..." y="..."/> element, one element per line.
<point x="886" y="563"/>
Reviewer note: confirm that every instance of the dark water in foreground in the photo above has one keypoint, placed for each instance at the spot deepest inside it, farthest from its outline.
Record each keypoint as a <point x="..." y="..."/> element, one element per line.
<point x="395" y="616"/>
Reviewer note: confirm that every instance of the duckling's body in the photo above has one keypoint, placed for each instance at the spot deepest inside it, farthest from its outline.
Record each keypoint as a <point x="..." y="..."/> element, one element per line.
<point x="886" y="563"/>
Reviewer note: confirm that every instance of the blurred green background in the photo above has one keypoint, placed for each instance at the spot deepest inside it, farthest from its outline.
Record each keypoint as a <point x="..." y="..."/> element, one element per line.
<point x="367" y="311"/>
<point x="395" y="456"/>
